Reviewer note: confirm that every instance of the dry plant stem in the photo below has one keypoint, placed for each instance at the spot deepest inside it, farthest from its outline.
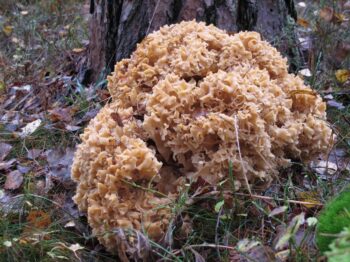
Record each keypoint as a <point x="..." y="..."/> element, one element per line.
<point x="150" y="22"/>
<point x="280" y="199"/>
<point x="240" y="155"/>
<point x="205" y="245"/>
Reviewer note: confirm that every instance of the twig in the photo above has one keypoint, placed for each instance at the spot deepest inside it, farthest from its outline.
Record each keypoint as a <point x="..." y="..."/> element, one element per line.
<point x="280" y="199"/>
<point x="22" y="100"/>
<point x="154" y="12"/>
<point x="204" y="245"/>
<point x="240" y="155"/>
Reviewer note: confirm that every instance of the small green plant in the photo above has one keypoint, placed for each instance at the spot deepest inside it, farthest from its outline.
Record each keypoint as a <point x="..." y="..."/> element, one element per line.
<point x="340" y="247"/>
<point x="334" y="218"/>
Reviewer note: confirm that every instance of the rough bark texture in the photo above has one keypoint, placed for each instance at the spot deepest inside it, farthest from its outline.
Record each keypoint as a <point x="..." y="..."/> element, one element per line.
<point x="118" y="25"/>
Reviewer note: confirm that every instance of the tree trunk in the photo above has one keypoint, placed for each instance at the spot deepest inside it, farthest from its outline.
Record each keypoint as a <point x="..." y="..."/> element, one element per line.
<point x="118" y="25"/>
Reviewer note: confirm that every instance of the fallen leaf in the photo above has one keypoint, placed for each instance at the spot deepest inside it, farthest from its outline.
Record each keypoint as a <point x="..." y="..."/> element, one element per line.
<point x="347" y="5"/>
<point x="72" y="128"/>
<point x="23" y="169"/>
<point x="6" y="165"/>
<point x="2" y="87"/>
<point x="38" y="219"/>
<point x="305" y="72"/>
<point x="260" y="253"/>
<point x="301" y="4"/>
<point x="246" y="244"/>
<point x="59" y="165"/>
<point x="25" y="88"/>
<point x="342" y="75"/>
<point x="341" y="51"/>
<point x="339" y="18"/>
<point x="7" y="243"/>
<point x="7" y="29"/>
<point x="30" y="128"/>
<point x="286" y="234"/>
<point x="283" y="255"/>
<point x="78" y="50"/>
<point x="324" y="167"/>
<point x="34" y="153"/>
<point x="4" y="150"/>
<point x="14" y="180"/>
<point x="197" y="257"/>
<point x="219" y="205"/>
<point x="62" y="33"/>
<point x="335" y="104"/>
<point x="75" y="247"/>
<point x="186" y="227"/>
<point x="60" y="114"/>
<point x="278" y="210"/>
<point x="326" y="14"/>
<point x="15" y="40"/>
<point x="70" y="224"/>
<point x="302" y="22"/>
<point x="309" y="196"/>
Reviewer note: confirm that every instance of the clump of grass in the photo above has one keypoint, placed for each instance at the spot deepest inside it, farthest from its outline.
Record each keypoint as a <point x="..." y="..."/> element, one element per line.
<point x="33" y="229"/>
<point x="333" y="219"/>
<point x="40" y="33"/>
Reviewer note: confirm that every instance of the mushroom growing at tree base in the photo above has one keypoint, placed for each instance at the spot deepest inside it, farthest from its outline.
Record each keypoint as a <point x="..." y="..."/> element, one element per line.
<point x="190" y="102"/>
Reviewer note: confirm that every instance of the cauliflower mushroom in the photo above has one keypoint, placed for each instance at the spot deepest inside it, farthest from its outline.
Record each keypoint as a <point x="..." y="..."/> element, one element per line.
<point x="189" y="102"/>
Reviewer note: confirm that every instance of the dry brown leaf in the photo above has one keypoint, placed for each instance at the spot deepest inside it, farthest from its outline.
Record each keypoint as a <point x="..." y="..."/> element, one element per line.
<point x="326" y="14"/>
<point x="60" y="114"/>
<point x="38" y="219"/>
<point x="116" y="117"/>
<point x="14" y="180"/>
<point x="341" y="51"/>
<point x="4" y="150"/>
<point x="302" y="22"/>
<point x="59" y="165"/>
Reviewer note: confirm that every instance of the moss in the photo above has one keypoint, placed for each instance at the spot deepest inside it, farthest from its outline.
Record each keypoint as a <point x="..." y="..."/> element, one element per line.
<point x="340" y="247"/>
<point x="334" y="218"/>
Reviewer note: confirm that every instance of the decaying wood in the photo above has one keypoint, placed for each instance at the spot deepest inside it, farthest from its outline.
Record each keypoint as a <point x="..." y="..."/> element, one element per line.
<point x="118" y="25"/>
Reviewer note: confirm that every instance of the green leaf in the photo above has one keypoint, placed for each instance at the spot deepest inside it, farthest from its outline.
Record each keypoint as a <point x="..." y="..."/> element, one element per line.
<point x="219" y="205"/>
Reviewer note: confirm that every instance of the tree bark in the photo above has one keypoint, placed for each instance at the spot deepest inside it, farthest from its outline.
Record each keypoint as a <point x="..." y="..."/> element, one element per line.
<point x="118" y="25"/>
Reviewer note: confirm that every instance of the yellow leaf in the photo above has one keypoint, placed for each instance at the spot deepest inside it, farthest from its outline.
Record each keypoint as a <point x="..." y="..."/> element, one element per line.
<point x="342" y="75"/>
<point x="7" y="30"/>
<point x="310" y="197"/>
<point x="302" y="22"/>
<point x="339" y="18"/>
<point x="2" y="87"/>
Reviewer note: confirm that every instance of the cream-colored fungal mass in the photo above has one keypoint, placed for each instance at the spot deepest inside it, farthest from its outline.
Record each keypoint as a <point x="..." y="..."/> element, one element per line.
<point x="191" y="101"/>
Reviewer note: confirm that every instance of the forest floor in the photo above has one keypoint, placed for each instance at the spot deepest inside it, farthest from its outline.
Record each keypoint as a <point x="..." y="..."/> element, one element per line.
<point x="44" y="106"/>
